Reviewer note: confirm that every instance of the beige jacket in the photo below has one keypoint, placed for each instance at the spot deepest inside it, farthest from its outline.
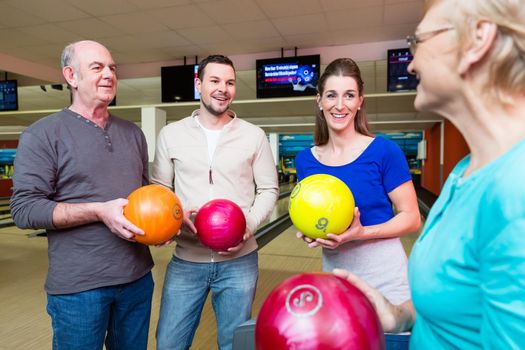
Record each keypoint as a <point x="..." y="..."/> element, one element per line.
<point x="242" y="170"/>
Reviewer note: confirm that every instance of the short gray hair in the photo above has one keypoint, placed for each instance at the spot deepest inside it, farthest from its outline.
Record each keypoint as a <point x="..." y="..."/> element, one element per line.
<point x="67" y="55"/>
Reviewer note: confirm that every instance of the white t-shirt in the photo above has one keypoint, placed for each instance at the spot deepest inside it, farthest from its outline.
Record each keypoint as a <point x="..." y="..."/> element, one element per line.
<point x="212" y="136"/>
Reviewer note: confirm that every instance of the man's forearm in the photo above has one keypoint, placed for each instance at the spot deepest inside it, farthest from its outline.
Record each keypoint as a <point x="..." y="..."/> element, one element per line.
<point x="70" y="215"/>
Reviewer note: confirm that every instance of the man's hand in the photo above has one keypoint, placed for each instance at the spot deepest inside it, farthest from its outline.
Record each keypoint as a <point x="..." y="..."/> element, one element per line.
<point x="247" y="235"/>
<point x="188" y="219"/>
<point x="111" y="213"/>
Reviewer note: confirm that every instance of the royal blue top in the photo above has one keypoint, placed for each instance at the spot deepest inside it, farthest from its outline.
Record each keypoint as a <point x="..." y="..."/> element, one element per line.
<point x="377" y="171"/>
<point x="467" y="269"/>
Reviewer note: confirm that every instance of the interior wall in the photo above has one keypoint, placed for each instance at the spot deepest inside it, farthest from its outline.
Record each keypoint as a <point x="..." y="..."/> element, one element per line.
<point x="454" y="149"/>
<point x="430" y="167"/>
<point x="8" y="143"/>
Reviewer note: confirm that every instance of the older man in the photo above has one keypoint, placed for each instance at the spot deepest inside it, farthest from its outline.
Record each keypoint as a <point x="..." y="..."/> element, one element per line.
<point x="73" y="170"/>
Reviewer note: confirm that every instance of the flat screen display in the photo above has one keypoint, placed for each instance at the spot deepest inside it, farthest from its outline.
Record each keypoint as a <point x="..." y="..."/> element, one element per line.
<point x="288" y="76"/>
<point x="8" y="95"/>
<point x="178" y="83"/>
<point x="398" y="77"/>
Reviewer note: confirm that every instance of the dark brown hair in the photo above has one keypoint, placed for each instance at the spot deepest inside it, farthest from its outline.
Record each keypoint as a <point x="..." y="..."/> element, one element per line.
<point x="341" y="67"/>
<point x="213" y="59"/>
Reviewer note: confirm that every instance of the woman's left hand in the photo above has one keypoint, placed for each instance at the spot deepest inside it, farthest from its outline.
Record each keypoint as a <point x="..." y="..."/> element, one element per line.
<point x="393" y="318"/>
<point x="354" y="232"/>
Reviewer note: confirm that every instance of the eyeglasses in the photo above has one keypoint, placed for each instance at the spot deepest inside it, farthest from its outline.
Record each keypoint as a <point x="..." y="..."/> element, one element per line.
<point x="415" y="39"/>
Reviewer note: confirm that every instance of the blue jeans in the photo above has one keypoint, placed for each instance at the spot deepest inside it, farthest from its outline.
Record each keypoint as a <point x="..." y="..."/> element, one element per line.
<point x="118" y="315"/>
<point x="187" y="284"/>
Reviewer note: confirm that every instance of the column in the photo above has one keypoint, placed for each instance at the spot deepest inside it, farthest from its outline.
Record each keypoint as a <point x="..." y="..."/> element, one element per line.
<point x="441" y="155"/>
<point x="274" y="144"/>
<point x="152" y="120"/>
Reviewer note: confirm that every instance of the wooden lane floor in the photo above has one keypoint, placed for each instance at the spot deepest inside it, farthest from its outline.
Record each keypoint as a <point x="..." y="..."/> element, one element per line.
<point x="24" y="323"/>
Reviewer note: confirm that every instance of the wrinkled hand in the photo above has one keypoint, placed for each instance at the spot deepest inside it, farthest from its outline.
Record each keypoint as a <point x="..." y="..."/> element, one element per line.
<point x="354" y="232"/>
<point x="111" y="213"/>
<point x="385" y="310"/>
<point x="233" y="250"/>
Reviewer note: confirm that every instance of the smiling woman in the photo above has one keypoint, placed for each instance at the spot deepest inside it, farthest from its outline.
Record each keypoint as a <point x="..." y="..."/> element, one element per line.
<point x="347" y="70"/>
<point x="376" y="172"/>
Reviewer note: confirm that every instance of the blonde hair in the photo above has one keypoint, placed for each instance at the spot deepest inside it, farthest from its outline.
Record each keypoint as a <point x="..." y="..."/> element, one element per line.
<point x="507" y="56"/>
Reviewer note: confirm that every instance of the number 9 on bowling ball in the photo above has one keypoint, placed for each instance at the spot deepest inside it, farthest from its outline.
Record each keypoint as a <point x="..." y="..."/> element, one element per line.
<point x="321" y="204"/>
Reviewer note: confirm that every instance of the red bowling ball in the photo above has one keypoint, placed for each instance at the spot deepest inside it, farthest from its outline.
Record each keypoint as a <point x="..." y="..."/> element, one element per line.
<point x="220" y="224"/>
<point x="318" y="311"/>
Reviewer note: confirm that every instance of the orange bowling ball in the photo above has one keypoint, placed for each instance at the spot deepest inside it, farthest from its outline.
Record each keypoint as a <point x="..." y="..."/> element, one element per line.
<point x="157" y="211"/>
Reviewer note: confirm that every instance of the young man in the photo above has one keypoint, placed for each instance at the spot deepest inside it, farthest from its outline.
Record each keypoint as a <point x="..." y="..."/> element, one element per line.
<point x="213" y="154"/>
<point x="73" y="171"/>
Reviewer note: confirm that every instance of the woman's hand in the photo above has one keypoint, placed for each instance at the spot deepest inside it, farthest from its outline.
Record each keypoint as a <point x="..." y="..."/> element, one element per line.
<point x="310" y="241"/>
<point x="393" y="318"/>
<point x="332" y="241"/>
<point x="356" y="231"/>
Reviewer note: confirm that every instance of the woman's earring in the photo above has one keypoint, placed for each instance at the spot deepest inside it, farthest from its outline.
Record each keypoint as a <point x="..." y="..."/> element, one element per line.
<point x="320" y="108"/>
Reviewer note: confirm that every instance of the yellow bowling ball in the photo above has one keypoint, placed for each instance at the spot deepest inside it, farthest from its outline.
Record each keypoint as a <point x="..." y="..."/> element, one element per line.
<point x="321" y="204"/>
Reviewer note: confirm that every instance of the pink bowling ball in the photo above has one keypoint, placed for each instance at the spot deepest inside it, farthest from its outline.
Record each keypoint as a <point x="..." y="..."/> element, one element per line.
<point x="318" y="311"/>
<point x="220" y="224"/>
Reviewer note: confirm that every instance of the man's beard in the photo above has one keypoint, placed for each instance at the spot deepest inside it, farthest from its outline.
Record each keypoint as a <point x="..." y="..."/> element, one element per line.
<point x="214" y="111"/>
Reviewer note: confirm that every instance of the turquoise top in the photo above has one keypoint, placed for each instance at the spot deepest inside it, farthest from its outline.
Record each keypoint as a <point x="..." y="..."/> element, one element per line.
<point x="467" y="269"/>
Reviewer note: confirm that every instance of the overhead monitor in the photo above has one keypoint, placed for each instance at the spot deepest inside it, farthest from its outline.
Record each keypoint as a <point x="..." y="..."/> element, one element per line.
<point x="398" y="77"/>
<point x="8" y="95"/>
<point x="178" y="83"/>
<point x="288" y="76"/>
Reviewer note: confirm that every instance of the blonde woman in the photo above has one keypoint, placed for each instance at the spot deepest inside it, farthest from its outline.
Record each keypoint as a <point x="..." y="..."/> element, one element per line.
<point x="467" y="269"/>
